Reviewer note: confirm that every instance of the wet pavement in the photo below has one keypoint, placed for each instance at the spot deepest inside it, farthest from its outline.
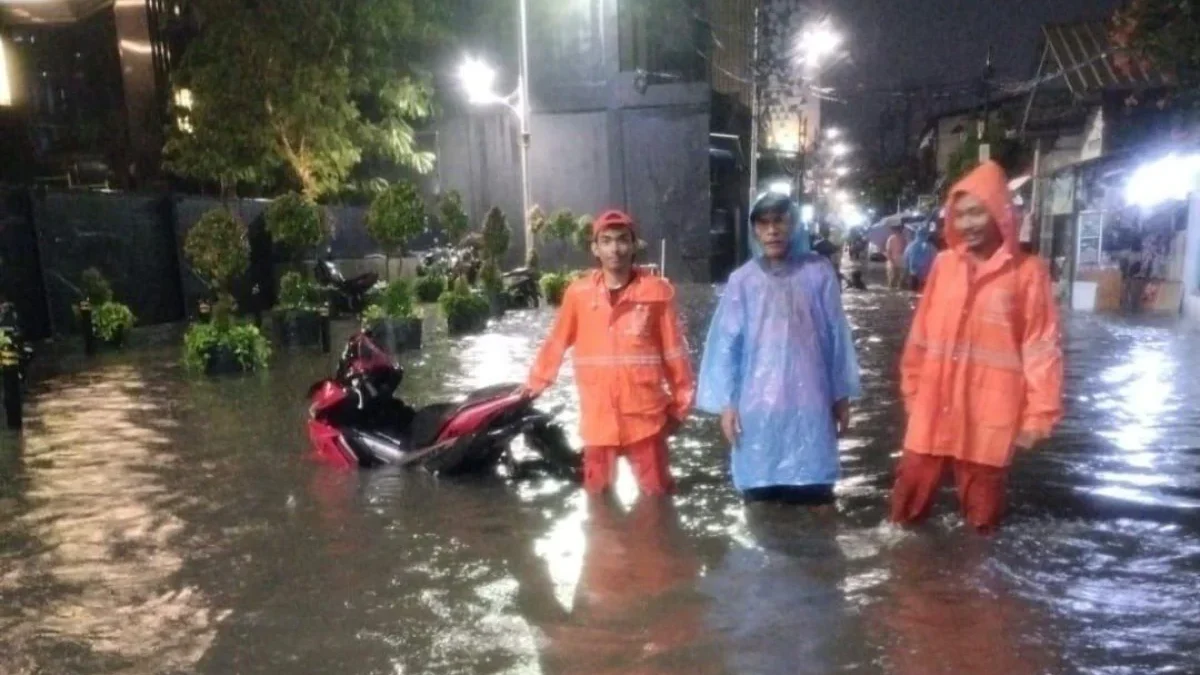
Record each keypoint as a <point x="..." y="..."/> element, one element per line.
<point x="152" y="523"/>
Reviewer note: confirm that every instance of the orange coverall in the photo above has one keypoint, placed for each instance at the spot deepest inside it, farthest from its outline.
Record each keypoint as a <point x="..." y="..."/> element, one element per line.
<point x="983" y="362"/>
<point x="633" y="371"/>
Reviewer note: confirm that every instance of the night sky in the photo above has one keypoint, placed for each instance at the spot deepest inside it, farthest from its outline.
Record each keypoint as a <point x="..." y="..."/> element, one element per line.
<point x="894" y="42"/>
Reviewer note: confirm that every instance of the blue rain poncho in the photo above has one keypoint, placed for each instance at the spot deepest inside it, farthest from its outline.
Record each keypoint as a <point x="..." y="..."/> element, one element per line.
<point x="918" y="259"/>
<point x="781" y="353"/>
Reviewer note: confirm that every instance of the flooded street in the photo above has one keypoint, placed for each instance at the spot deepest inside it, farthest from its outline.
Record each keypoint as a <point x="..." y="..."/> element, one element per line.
<point x="151" y="523"/>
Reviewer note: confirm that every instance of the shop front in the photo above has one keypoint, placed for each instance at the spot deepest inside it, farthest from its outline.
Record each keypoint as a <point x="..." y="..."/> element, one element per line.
<point x="1116" y="231"/>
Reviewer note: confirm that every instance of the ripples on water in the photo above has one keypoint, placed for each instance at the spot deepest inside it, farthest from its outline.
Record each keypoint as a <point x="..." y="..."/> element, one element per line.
<point x="154" y="524"/>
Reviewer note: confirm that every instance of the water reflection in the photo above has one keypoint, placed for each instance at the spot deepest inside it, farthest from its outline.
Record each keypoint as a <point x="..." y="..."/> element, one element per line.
<point x="778" y="597"/>
<point x="92" y="586"/>
<point x="953" y="616"/>
<point x="635" y="608"/>
<point x="153" y="524"/>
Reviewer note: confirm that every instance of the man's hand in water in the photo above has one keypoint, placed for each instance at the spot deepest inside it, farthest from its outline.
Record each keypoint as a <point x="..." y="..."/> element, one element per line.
<point x="841" y="416"/>
<point x="731" y="426"/>
<point x="526" y="393"/>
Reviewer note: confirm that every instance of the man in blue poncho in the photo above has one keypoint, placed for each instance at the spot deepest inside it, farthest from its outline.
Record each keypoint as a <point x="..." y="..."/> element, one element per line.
<point x="918" y="258"/>
<point x="779" y="365"/>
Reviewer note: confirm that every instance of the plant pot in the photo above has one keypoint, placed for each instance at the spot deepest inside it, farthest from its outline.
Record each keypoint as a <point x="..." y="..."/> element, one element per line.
<point x="497" y="305"/>
<point x="398" y="335"/>
<point x="296" y="328"/>
<point x="461" y="324"/>
<point x="223" y="361"/>
<point x="117" y="341"/>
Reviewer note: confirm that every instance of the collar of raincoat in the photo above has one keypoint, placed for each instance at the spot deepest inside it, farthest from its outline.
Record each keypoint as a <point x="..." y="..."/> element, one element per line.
<point x="801" y="242"/>
<point x="989" y="185"/>
<point x="643" y="287"/>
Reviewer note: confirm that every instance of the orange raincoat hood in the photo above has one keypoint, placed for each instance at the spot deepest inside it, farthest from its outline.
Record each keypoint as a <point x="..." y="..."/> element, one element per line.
<point x="989" y="184"/>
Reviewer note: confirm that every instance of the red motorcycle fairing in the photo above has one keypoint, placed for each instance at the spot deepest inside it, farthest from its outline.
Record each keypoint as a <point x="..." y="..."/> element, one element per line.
<point x="328" y="447"/>
<point x="475" y="417"/>
<point x="325" y="395"/>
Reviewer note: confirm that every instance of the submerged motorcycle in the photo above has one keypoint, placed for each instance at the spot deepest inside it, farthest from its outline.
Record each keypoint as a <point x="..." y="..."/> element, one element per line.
<point x="354" y="420"/>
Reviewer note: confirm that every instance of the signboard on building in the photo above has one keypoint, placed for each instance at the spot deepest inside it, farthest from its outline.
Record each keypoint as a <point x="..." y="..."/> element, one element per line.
<point x="1093" y="140"/>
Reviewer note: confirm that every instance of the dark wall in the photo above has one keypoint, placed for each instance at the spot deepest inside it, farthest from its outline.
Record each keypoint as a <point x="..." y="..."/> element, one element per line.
<point x="21" y="281"/>
<point x="127" y="237"/>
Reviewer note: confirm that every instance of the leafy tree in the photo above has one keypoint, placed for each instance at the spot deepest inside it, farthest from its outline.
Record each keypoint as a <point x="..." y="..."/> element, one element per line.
<point x="218" y="247"/>
<point x="453" y="217"/>
<point x="297" y="222"/>
<point x="496" y="234"/>
<point x="307" y="86"/>
<point x="562" y="225"/>
<point x="396" y="216"/>
<point x="1160" y="35"/>
<point x="1003" y="150"/>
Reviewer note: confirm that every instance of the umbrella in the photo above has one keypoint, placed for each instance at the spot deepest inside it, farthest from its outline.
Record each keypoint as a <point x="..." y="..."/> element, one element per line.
<point x="878" y="233"/>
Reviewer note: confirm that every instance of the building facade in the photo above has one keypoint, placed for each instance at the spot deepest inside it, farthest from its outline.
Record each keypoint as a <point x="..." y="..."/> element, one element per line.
<point x="621" y="112"/>
<point x="89" y="83"/>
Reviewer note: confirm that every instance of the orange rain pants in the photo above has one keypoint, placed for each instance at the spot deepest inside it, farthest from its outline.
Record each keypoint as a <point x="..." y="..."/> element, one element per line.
<point x="981" y="489"/>
<point x="647" y="457"/>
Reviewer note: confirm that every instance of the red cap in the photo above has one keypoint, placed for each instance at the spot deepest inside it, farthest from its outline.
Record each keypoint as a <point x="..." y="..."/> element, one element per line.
<point x="610" y="220"/>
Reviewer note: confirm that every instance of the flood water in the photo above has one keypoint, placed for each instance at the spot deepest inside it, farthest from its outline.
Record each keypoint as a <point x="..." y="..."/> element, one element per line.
<point x="151" y="523"/>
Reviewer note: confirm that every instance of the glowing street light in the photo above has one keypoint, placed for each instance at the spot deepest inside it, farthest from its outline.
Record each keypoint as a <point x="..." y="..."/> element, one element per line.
<point x="817" y="43"/>
<point x="842" y="171"/>
<point x="478" y="80"/>
<point x="840" y="150"/>
<point x="780" y="187"/>
<point x="833" y="133"/>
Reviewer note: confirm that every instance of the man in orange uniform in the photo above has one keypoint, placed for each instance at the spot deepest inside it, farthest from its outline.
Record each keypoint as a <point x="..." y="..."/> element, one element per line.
<point x="625" y="331"/>
<point x="981" y="374"/>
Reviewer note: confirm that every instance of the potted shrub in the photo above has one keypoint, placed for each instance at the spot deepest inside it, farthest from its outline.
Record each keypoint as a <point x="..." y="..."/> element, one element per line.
<point x="496" y="235"/>
<point x="296" y="320"/>
<point x="218" y="248"/>
<point x="218" y="347"/>
<point x="453" y="217"/>
<point x="395" y="217"/>
<point x="430" y="287"/>
<point x="393" y="318"/>
<point x="492" y="285"/>
<point x="111" y="323"/>
<point x="111" y="320"/>
<point x="466" y="310"/>
<point x="553" y="286"/>
<point x="297" y="223"/>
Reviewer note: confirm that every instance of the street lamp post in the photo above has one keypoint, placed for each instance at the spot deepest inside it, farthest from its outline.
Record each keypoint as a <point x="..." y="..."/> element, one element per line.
<point x="523" y="88"/>
<point x="477" y="79"/>
<point x="816" y="44"/>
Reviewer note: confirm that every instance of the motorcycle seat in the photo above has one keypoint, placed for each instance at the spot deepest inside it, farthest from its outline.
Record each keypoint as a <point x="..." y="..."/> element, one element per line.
<point x="429" y="422"/>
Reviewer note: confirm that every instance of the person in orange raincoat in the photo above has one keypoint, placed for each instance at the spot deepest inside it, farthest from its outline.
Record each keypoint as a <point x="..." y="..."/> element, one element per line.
<point x="981" y="373"/>
<point x="631" y="359"/>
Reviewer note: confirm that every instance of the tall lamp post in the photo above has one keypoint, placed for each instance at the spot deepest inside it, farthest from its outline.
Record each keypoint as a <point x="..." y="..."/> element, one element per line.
<point x="815" y="46"/>
<point x="477" y="79"/>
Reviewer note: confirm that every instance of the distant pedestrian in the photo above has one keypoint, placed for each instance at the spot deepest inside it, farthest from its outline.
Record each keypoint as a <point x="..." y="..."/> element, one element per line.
<point x="894" y="251"/>
<point x="918" y="260"/>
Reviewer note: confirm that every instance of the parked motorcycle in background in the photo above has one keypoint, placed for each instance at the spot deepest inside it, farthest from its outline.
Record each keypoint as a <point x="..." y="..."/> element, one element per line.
<point x="10" y="327"/>
<point x="346" y="295"/>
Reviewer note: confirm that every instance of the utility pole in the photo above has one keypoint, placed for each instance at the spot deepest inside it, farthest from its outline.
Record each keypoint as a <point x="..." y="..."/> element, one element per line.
<point x="754" y="109"/>
<point x="985" y="89"/>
